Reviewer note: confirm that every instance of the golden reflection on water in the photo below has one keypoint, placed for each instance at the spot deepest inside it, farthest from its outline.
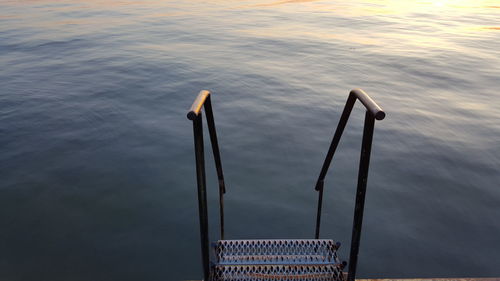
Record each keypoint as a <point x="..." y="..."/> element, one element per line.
<point x="359" y="7"/>
<point x="284" y="2"/>
<point x="413" y="21"/>
<point x="491" y="28"/>
<point x="455" y="8"/>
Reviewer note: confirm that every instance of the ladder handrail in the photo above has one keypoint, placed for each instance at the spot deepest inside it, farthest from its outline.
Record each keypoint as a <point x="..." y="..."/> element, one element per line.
<point x="371" y="107"/>
<point x="369" y="103"/>
<point x="373" y="112"/>
<point x="203" y="99"/>
<point x="194" y="114"/>
<point x="195" y="109"/>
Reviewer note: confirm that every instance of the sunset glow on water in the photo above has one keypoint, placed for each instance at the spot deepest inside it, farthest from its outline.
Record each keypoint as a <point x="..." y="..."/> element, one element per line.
<point x="97" y="175"/>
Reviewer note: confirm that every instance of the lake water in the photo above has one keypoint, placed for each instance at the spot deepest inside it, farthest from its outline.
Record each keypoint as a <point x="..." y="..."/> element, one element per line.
<point x="96" y="154"/>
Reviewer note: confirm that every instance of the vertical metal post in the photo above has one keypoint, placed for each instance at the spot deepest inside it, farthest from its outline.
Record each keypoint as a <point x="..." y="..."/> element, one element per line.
<point x="202" y="193"/>
<point x="218" y="162"/>
<point x="319" y="185"/>
<point x="360" y="193"/>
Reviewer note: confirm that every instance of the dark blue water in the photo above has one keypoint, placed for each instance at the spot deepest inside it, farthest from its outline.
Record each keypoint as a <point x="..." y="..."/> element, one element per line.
<point x="96" y="154"/>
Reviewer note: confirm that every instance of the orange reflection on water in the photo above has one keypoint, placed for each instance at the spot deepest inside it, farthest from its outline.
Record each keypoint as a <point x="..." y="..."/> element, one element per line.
<point x="403" y="24"/>
<point x="410" y="23"/>
<point x="491" y="27"/>
<point x="373" y="7"/>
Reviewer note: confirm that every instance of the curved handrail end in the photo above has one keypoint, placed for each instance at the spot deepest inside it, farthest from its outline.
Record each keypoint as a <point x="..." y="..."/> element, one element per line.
<point x="370" y="104"/>
<point x="197" y="104"/>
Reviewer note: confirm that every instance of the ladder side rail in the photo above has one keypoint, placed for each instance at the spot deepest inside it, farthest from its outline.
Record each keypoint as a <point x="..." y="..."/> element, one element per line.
<point x="329" y="156"/>
<point x="203" y="100"/>
<point x="364" y="163"/>
<point x="218" y="163"/>
<point x="373" y="112"/>
<point x="202" y="194"/>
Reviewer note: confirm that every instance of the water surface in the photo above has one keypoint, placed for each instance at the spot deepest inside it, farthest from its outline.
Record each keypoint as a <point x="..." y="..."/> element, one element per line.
<point x="96" y="154"/>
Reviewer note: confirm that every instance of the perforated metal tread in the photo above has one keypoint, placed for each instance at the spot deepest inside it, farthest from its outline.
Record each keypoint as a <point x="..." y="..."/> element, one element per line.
<point x="324" y="272"/>
<point x="299" y="259"/>
<point x="279" y="251"/>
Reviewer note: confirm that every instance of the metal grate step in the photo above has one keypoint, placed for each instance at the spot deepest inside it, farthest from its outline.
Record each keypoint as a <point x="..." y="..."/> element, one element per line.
<point x="299" y="259"/>
<point x="324" y="272"/>
<point x="299" y="251"/>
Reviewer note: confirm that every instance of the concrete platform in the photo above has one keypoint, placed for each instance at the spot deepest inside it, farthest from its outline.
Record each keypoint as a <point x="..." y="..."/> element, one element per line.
<point x="423" y="279"/>
<point x="435" y="279"/>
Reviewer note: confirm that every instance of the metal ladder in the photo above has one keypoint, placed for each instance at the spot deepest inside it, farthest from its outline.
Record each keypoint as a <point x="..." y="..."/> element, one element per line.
<point x="290" y="259"/>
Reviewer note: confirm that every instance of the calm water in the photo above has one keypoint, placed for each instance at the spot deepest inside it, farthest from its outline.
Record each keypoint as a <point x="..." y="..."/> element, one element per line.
<point x="96" y="154"/>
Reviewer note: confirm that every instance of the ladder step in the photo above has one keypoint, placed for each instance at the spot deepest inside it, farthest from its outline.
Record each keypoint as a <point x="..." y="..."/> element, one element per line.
<point x="323" y="272"/>
<point x="276" y="252"/>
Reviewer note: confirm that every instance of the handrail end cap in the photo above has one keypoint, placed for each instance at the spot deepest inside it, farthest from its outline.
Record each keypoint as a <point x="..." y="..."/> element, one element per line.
<point x="191" y="115"/>
<point x="380" y="115"/>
